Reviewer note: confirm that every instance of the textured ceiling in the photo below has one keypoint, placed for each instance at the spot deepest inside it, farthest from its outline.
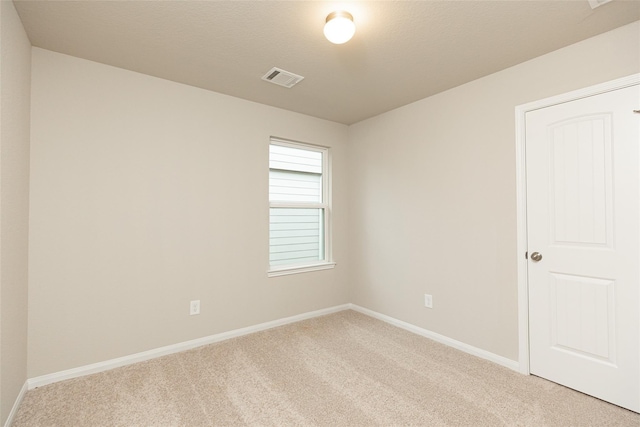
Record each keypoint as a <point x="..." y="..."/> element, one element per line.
<point x="402" y="51"/>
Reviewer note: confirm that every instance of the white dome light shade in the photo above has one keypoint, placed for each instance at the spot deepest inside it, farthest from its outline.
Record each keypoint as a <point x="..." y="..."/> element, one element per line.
<point x="339" y="27"/>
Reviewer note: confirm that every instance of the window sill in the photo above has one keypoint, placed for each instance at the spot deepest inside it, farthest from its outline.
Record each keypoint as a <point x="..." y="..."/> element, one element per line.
<point x="283" y="271"/>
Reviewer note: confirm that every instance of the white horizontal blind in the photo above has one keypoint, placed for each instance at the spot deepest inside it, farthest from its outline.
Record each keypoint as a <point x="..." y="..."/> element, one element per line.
<point x="295" y="159"/>
<point x="296" y="225"/>
<point x="289" y="186"/>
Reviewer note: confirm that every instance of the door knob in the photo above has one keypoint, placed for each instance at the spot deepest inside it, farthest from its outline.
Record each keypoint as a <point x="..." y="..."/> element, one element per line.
<point x="536" y="256"/>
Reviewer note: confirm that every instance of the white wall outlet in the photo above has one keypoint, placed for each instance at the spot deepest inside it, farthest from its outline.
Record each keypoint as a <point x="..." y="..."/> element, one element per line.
<point x="194" y="307"/>
<point x="428" y="301"/>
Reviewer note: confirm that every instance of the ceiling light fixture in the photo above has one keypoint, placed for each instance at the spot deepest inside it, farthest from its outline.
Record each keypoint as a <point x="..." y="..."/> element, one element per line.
<point x="339" y="27"/>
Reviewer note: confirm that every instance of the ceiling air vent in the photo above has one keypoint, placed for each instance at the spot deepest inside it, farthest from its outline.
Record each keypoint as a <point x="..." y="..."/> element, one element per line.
<point x="596" y="3"/>
<point x="282" y="77"/>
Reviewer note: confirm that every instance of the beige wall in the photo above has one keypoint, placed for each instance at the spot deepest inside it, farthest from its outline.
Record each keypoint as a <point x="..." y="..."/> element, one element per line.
<point x="15" y="75"/>
<point x="146" y="194"/>
<point x="433" y="195"/>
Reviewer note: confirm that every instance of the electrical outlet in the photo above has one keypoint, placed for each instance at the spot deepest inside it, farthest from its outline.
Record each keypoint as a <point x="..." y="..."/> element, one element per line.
<point x="194" y="307"/>
<point x="428" y="301"/>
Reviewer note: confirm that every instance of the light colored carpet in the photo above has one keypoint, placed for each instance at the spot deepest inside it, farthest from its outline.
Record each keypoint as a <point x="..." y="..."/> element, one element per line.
<point x="345" y="369"/>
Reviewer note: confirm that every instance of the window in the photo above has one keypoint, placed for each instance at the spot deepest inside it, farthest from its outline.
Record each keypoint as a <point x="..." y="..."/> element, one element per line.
<point x="298" y="208"/>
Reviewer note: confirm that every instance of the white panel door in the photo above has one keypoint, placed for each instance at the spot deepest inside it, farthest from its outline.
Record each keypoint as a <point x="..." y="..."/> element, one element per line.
<point x="583" y="220"/>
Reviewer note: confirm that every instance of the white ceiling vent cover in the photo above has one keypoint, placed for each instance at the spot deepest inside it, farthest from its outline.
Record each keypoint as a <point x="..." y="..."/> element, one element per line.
<point x="282" y="77"/>
<point x="596" y="3"/>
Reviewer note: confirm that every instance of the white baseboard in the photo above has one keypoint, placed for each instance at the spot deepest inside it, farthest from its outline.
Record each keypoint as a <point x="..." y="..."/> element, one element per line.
<point x="16" y="405"/>
<point x="174" y="348"/>
<point x="500" y="360"/>
<point x="187" y="345"/>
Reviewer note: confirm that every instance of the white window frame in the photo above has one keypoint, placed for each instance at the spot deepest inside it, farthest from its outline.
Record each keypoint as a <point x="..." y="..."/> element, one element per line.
<point x="328" y="262"/>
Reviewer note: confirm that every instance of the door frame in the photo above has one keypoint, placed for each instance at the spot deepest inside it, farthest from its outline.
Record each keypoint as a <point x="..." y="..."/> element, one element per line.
<point x="521" y="199"/>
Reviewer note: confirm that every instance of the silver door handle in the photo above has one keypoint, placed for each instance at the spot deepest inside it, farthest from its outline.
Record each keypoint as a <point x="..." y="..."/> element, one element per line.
<point x="536" y="256"/>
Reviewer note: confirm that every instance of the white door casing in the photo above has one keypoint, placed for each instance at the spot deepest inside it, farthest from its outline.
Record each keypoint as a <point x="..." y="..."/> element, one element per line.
<point x="579" y="207"/>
